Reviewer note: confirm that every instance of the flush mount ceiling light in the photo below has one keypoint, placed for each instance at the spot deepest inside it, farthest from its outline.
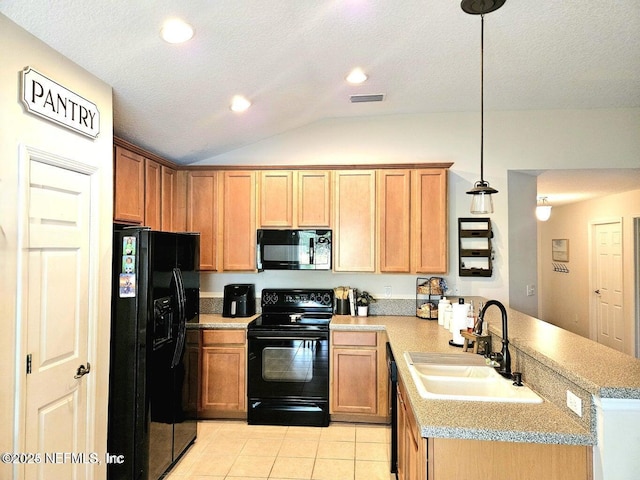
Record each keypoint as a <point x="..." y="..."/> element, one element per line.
<point x="176" y="31"/>
<point x="357" y="76"/>
<point x="543" y="210"/>
<point x="481" y="202"/>
<point x="239" y="103"/>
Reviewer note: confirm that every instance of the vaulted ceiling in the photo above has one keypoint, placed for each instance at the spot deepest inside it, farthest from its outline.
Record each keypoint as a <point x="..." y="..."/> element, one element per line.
<point x="290" y="59"/>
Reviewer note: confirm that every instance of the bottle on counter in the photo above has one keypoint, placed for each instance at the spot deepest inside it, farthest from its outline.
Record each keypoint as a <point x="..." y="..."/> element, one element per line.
<point x="471" y="318"/>
<point x="441" y="307"/>
<point x="448" y="315"/>
<point x="478" y="328"/>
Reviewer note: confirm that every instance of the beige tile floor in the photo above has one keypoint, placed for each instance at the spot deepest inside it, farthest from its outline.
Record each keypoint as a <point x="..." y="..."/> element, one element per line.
<point x="233" y="450"/>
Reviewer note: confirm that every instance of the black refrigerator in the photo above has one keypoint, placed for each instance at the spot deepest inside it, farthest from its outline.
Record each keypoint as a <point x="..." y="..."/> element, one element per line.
<point x="152" y="383"/>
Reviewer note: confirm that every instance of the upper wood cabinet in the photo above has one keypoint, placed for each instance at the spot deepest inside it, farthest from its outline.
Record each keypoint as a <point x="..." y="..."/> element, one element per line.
<point x="412" y="220"/>
<point x="355" y="221"/>
<point x="238" y="220"/>
<point x="152" y="195"/>
<point x="294" y="199"/>
<point x="168" y="189"/>
<point x="275" y="206"/>
<point x="202" y="208"/>
<point x="129" y="176"/>
<point x="313" y="188"/>
<point x="145" y="190"/>
<point x="394" y="221"/>
<point x="429" y="239"/>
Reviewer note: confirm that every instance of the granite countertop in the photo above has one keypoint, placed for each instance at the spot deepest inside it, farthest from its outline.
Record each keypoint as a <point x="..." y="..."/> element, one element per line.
<point x="601" y="371"/>
<point x="535" y="423"/>
<point x="217" y="321"/>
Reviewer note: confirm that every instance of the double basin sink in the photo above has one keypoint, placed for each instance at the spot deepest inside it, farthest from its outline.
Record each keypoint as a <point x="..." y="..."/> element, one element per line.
<point x="463" y="377"/>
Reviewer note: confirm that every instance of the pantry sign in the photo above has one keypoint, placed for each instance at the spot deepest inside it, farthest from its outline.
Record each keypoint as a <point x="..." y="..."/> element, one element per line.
<point x="48" y="99"/>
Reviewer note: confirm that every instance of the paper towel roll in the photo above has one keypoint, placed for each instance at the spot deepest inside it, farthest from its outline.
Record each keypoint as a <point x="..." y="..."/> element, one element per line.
<point x="459" y="322"/>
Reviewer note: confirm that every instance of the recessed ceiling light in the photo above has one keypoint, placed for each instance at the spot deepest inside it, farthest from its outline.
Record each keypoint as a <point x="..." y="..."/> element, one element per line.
<point x="176" y="31"/>
<point x="239" y="103"/>
<point x="356" y="76"/>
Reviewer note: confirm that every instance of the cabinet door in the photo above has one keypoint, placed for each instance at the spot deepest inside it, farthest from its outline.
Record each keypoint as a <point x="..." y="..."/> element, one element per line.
<point x="201" y="214"/>
<point x="128" y="186"/>
<point x="394" y="197"/>
<point x="223" y="378"/>
<point x="168" y="183"/>
<point x="355" y="202"/>
<point x="152" y="194"/>
<point x="429" y="212"/>
<point x="276" y="199"/>
<point x="412" y="448"/>
<point x="313" y="190"/>
<point x="355" y="381"/>
<point x="239" y="220"/>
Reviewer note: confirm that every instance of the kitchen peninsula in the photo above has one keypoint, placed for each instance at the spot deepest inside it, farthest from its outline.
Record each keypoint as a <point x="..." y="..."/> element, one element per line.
<point x="552" y="361"/>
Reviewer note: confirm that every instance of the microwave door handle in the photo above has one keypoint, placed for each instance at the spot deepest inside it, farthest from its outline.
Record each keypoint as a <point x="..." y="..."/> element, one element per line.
<point x="311" y="252"/>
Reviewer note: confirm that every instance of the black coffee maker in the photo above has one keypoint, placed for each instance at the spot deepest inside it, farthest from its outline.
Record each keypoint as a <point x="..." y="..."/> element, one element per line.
<point x="239" y="300"/>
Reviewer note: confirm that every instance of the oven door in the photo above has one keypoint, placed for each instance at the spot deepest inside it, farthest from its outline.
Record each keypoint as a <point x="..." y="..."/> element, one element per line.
<point x="288" y="377"/>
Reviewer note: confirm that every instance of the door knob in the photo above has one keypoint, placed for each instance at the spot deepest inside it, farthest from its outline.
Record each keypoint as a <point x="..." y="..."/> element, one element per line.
<point x="597" y="292"/>
<point x="82" y="370"/>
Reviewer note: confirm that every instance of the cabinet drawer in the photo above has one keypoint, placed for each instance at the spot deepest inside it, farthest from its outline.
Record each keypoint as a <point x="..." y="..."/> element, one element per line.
<point x="356" y="339"/>
<point x="217" y="337"/>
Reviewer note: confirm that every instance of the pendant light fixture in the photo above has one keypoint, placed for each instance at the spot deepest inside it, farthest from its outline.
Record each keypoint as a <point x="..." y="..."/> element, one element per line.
<point x="481" y="202"/>
<point x="543" y="210"/>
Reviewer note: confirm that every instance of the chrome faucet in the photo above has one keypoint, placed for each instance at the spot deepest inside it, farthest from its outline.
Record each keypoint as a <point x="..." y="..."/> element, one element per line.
<point x="500" y="360"/>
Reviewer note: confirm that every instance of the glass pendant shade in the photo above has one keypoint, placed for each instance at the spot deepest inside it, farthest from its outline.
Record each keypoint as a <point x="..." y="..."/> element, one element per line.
<point x="481" y="204"/>
<point x="481" y="201"/>
<point x="543" y="211"/>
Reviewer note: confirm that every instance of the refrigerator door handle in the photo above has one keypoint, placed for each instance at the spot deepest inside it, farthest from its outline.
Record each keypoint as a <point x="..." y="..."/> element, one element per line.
<point x="182" y="317"/>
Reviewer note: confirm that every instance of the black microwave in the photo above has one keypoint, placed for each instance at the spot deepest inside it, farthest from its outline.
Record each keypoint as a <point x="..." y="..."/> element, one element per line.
<point x="293" y="249"/>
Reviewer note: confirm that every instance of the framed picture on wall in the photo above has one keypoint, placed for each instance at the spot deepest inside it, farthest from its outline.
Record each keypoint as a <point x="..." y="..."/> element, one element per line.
<point x="560" y="250"/>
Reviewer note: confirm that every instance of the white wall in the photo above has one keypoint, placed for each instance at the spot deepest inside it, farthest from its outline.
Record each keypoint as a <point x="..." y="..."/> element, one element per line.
<point x="513" y="141"/>
<point x="19" y="50"/>
<point x="523" y="243"/>
<point x="565" y="297"/>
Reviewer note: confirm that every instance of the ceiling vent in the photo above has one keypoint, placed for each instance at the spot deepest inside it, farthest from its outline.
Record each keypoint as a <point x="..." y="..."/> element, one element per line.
<point x="378" y="97"/>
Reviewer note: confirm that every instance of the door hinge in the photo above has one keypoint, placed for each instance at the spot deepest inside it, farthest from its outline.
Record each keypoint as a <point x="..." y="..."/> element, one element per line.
<point x="28" y="364"/>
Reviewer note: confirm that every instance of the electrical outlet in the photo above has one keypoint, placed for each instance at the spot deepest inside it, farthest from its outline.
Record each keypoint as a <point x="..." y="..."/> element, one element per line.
<point x="574" y="403"/>
<point x="387" y="291"/>
<point x="531" y="290"/>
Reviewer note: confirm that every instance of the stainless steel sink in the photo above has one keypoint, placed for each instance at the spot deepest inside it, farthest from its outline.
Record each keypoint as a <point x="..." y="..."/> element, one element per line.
<point x="463" y="377"/>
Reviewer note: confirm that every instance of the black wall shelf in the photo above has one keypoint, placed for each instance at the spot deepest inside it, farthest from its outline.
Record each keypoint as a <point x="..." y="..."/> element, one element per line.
<point x="474" y="247"/>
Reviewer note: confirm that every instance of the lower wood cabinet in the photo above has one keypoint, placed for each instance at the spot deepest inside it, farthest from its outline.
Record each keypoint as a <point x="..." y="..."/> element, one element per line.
<point x="359" y="384"/>
<point x="453" y="459"/>
<point x="412" y="447"/>
<point x="420" y="458"/>
<point x="223" y="383"/>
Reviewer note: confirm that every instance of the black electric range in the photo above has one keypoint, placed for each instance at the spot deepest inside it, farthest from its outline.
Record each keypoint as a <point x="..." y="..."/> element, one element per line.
<point x="288" y="358"/>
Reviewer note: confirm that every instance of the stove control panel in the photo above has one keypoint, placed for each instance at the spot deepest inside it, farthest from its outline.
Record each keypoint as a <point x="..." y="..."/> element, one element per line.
<point x="297" y="298"/>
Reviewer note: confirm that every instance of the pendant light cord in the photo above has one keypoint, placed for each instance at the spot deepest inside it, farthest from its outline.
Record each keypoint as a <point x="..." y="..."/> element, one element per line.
<point x="482" y="98"/>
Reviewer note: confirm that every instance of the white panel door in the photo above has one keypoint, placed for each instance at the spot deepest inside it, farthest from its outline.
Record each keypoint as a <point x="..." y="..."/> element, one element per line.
<point x="609" y="292"/>
<point x="57" y="306"/>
